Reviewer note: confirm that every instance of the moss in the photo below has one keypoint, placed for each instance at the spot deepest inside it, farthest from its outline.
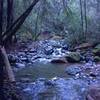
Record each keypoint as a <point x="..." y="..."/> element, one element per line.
<point x="73" y="57"/>
<point x="96" y="58"/>
<point x="96" y="50"/>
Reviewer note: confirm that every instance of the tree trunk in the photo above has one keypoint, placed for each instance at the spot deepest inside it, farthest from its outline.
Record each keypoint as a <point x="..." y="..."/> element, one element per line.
<point x="36" y="27"/>
<point x="8" y="69"/>
<point x="1" y="19"/>
<point x="98" y="15"/>
<point x="82" y="22"/>
<point x="10" y="18"/>
<point x="9" y="13"/>
<point x="6" y="73"/>
<point x="2" y="76"/>
<point x="17" y="24"/>
<point x="85" y="15"/>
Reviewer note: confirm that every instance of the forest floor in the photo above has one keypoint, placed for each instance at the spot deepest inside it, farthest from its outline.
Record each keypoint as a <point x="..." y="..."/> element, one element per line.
<point x="50" y="70"/>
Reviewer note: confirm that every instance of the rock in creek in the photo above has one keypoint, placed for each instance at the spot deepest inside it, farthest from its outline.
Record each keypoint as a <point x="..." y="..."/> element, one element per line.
<point x="73" y="57"/>
<point x="73" y="70"/>
<point x="20" y="65"/>
<point x="97" y="59"/>
<point x="96" y="50"/>
<point x="48" y="50"/>
<point x="12" y="59"/>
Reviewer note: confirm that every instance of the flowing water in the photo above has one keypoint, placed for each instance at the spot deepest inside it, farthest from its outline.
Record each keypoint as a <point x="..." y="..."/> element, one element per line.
<point x="51" y="82"/>
<point x="43" y="80"/>
<point x="42" y="70"/>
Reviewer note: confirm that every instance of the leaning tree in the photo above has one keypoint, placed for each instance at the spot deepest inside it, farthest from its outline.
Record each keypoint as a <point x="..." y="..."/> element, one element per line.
<point x="6" y="73"/>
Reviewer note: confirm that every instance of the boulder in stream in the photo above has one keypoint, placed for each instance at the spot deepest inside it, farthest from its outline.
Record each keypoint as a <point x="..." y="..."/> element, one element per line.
<point x="20" y="65"/>
<point x="12" y="59"/>
<point x="73" y="70"/>
<point x="73" y="57"/>
<point x="48" y="50"/>
<point x="96" y="58"/>
<point x="96" y="50"/>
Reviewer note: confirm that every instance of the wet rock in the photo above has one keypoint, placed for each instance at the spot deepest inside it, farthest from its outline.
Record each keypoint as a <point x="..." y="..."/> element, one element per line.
<point x="93" y="75"/>
<point x="57" y="52"/>
<point x="12" y="59"/>
<point x="36" y="57"/>
<point x="96" y="50"/>
<point x="49" y="50"/>
<point x="59" y="61"/>
<point x="73" y="57"/>
<point x="89" y="56"/>
<point x="57" y="43"/>
<point x="43" y="60"/>
<point x="27" y="90"/>
<point x="25" y="80"/>
<point x="51" y="47"/>
<point x="73" y="70"/>
<point x="21" y="53"/>
<point x="94" y="92"/>
<point x="41" y="79"/>
<point x="24" y="59"/>
<point x="65" y="47"/>
<point x="89" y="59"/>
<point x="49" y="83"/>
<point x="20" y="65"/>
<point x="26" y="50"/>
<point x="32" y="50"/>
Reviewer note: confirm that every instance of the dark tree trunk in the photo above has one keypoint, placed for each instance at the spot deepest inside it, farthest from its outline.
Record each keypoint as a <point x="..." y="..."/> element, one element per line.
<point x="1" y="59"/>
<point x="1" y="20"/>
<point x="6" y="74"/>
<point x="36" y="26"/>
<point x="17" y="24"/>
<point x="10" y="20"/>
<point x="82" y="22"/>
<point x="2" y="77"/>
<point x="85" y="15"/>
<point x="9" y="13"/>
<point x="98" y="15"/>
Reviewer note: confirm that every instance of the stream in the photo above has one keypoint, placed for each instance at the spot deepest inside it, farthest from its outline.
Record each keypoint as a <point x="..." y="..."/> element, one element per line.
<point x="40" y="79"/>
<point x="51" y="82"/>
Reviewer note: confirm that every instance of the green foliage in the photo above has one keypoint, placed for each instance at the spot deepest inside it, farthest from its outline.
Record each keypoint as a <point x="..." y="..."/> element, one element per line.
<point x="58" y="16"/>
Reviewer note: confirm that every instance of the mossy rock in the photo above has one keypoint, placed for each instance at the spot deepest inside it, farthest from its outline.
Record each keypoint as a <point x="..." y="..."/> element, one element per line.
<point x="96" y="50"/>
<point x="73" y="57"/>
<point x="97" y="59"/>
